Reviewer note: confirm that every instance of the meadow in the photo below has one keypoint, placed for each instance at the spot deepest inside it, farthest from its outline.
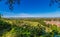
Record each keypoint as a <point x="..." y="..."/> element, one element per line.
<point x="28" y="27"/>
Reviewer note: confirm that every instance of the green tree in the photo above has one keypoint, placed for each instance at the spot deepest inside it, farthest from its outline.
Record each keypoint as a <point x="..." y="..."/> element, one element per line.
<point x="0" y="15"/>
<point x="11" y="3"/>
<point x="52" y="2"/>
<point x="4" y="27"/>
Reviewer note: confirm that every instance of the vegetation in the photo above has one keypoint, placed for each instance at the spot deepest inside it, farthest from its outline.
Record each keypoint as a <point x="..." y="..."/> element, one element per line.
<point x="0" y="15"/>
<point x="21" y="28"/>
<point x="55" y="1"/>
<point x="11" y="3"/>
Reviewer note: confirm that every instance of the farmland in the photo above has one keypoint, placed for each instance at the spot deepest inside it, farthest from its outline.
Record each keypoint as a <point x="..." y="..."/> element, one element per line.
<point x="29" y="27"/>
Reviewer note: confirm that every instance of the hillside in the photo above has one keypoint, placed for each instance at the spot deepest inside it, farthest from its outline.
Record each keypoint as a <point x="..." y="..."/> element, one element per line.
<point x="29" y="27"/>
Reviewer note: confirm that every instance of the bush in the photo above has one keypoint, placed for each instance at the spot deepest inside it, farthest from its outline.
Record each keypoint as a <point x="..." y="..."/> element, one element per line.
<point x="4" y="27"/>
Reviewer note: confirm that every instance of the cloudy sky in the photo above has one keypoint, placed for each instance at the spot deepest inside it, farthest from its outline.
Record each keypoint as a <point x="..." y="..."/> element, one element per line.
<point x="31" y="8"/>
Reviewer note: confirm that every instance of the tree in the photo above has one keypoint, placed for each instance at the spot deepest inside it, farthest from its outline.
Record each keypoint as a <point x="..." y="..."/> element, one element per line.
<point x="4" y="26"/>
<point x="52" y="2"/>
<point x="0" y="15"/>
<point x="11" y="3"/>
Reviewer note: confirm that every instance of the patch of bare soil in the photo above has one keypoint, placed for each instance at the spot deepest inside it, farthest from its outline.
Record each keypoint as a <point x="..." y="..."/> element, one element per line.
<point x="53" y="23"/>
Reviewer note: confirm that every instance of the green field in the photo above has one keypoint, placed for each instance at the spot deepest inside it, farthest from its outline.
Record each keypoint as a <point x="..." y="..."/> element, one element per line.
<point x="27" y="27"/>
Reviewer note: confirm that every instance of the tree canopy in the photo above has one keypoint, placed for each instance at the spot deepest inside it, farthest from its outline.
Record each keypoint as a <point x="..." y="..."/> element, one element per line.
<point x="52" y="2"/>
<point x="0" y="15"/>
<point x="11" y="3"/>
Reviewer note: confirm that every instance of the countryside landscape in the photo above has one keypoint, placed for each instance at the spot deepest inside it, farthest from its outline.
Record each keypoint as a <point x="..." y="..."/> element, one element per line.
<point x="29" y="18"/>
<point x="29" y="27"/>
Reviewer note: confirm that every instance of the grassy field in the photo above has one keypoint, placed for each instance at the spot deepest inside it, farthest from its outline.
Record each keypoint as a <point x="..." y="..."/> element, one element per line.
<point x="28" y="27"/>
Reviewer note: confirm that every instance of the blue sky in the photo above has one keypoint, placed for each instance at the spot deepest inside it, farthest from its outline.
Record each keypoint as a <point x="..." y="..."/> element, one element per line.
<point x="31" y="8"/>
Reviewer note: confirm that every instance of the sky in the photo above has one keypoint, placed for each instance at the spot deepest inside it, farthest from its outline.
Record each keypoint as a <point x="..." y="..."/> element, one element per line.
<point x="31" y="8"/>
